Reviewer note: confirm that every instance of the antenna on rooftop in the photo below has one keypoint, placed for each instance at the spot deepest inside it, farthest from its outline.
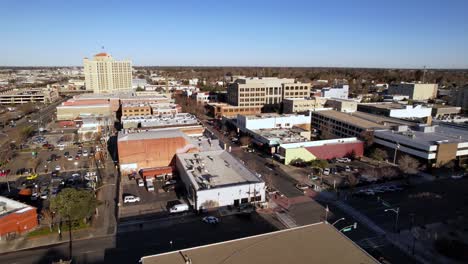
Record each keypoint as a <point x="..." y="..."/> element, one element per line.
<point x="424" y="74"/>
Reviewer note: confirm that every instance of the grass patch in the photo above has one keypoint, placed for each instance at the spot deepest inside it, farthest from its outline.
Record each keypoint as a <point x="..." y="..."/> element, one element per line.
<point x="43" y="231"/>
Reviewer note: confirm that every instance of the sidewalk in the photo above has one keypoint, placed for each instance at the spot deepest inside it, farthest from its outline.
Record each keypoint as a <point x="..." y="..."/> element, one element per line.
<point x="103" y="224"/>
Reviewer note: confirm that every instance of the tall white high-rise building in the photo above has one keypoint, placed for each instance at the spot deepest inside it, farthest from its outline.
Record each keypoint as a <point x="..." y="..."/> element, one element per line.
<point x="103" y="74"/>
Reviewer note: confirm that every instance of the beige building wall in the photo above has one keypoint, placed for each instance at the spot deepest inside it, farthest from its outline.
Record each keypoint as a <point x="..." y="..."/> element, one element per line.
<point x="416" y="91"/>
<point x="73" y="112"/>
<point x="296" y="105"/>
<point x="262" y="91"/>
<point x="342" y="105"/>
<point x="103" y="74"/>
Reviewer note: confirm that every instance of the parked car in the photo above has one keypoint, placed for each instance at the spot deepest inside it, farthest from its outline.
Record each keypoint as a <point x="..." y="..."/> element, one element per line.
<point x="45" y="194"/>
<point x="85" y="153"/>
<point x="131" y="199"/>
<point x="210" y="220"/>
<point x="326" y="171"/>
<point x="66" y="154"/>
<point x="76" y="175"/>
<point x="140" y="182"/>
<point x="131" y="176"/>
<point x="149" y="185"/>
<point x="347" y="169"/>
<point x="70" y="157"/>
<point x="168" y="187"/>
<point x="170" y="182"/>
<point x="179" y="208"/>
<point x="302" y="187"/>
<point x="31" y="177"/>
<point x="57" y="168"/>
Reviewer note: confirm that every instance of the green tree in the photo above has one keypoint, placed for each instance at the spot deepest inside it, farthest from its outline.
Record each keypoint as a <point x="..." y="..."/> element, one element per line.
<point x="73" y="205"/>
<point x="139" y="89"/>
<point x="322" y="164"/>
<point x="378" y="154"/>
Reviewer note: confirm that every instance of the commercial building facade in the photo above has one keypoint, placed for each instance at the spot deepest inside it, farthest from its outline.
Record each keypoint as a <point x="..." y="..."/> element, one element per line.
<point x="216" y="179"/>
<point x="156" y="149"/>
<point x="333" y="124"/>
<point x="460" y="97"/>
<point x="438" y="145"/>
<point x="264" y="91"/>
<point x="342" y="105"/>
<point x="299" y="105"/>
<point x="269" y="121"/>
<point x="339" y="91"/>
<point x="415" y="91"/>
<point x="103" y="74"/>
<point x="218" y="110"/>
<point x="130" y="109"/>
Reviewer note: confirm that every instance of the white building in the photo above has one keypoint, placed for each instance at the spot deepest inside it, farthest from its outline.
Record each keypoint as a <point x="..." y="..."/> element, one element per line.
<point x="216" y="179"/>
<point x="142" y="83"/>
<point x="269" y="121"/>
<point x="103" y="74"/>
<point x="396" y="110"/>
<point x="436" y="144"/>
<point x="340" y="92"/>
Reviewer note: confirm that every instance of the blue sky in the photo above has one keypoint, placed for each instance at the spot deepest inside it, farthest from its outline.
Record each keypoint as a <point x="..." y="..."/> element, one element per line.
<point x="360" y="33"/>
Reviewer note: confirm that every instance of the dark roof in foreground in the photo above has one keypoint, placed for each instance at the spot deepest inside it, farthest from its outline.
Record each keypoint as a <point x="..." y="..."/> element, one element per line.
<point x="315" y="243"/>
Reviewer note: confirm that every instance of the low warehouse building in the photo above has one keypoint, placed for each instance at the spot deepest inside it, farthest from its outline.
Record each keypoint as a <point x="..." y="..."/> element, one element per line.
<point x="155" y="150"/>
<point x="315" y="243"/>
<point x="216" y="179"/>
<point x="16" y="217"/>
<point x="321" y="149"/>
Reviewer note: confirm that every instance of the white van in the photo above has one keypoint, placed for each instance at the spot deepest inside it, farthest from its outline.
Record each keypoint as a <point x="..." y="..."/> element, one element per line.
<point x="149" y="186"/>
<point x="179" y="208"/>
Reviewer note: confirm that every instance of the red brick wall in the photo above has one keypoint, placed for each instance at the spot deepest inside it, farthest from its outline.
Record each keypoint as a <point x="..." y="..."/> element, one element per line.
<point x="150" y="153"/>
<point x="18" y="222"/>
<point x="339" y="150"/>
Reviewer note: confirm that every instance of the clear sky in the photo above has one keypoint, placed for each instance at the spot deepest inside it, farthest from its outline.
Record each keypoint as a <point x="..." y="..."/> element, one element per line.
<point x="346" y="33"/>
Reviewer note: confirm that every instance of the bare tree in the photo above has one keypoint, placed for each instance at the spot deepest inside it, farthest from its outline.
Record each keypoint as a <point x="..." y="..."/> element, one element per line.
<point x="48" y="218"/>
<point x="245" y="140"/>
<point x="378" y="154"/>
<point x="408" y="165"/>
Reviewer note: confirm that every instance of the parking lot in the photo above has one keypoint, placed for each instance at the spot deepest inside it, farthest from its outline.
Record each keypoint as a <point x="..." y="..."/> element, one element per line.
<point x="151" y="202"/>
<point x="419" y="205"/>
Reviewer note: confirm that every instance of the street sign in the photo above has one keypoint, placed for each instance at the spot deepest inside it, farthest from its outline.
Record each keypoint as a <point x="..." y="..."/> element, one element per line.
<point x="347" y="229"/>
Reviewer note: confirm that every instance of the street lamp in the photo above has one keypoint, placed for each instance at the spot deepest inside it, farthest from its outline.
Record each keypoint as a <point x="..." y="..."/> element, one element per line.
<point x="397" y="147"/>
<point x="338" y="221"/>
<point x="397" y="212"/>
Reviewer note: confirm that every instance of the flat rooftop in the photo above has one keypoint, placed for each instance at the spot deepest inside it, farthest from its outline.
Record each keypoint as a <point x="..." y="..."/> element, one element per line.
<point x="162" y="120"/>
<point x="215" y="169"/>
<point x="389" y="106"/>
<point x="315" y="243"/>
<point x="441" y="133"/>
<point x="8" y="206"/>
<point x="362" y="120"/>
<point x="150" y="134"/>
<point x="282" y="135"/>
<point x="269" y="115"/>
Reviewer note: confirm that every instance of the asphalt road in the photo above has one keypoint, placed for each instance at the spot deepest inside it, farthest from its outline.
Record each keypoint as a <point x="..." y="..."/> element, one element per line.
<point x="129" y="247"/>
<point x="84" y="251"/>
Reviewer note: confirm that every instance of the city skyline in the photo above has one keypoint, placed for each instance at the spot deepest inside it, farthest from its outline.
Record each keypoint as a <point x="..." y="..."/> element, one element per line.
<point x="366" y="34"/>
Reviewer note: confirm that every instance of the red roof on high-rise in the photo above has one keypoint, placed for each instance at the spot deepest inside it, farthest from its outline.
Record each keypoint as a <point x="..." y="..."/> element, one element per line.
<point x="102" y="54"/>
